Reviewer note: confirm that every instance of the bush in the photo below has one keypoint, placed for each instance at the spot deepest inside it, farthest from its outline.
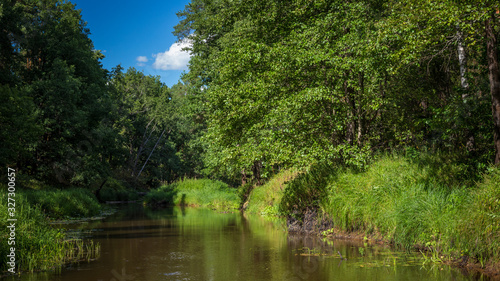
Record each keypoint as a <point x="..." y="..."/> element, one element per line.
<point x="195" y="192"/>
<point x="114" y="190"/>
<point x="60" y="204"/>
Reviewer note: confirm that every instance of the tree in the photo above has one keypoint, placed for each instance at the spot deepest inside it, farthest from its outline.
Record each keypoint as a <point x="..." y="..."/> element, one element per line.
<point x="49" y="61"/>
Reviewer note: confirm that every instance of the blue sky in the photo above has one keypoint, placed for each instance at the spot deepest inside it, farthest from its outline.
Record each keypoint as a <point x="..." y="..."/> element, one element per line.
<point x="137" y="34"/>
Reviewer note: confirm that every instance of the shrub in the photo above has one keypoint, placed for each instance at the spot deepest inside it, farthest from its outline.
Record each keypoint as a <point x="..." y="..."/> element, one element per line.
<point x="196" y="192"/>
<point x="76" y="202"/>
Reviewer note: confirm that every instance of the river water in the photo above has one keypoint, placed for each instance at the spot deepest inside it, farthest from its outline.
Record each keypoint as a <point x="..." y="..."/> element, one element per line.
<point x="138" y="244"/>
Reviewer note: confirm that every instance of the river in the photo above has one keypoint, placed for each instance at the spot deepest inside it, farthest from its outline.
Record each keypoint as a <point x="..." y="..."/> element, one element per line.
<point x="138" y="244"/>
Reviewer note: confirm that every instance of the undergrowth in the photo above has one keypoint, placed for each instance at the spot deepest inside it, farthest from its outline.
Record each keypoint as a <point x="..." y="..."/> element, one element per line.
<point x="419" y="200"/>
<point x="114" y="190"/>
<point x="38" y="246"/>
<point x="59" y="204"/>
<point x="265" y="199"/>
<point x="195" y="192"/>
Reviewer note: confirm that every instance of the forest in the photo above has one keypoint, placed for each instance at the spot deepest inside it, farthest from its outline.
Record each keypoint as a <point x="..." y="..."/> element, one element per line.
<point x="299" y="91"/>
<point x="271" y="85"/>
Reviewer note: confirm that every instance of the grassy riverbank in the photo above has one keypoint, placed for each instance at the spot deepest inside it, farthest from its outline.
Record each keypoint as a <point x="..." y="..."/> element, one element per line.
<point x="421" y="202"/>
<point x="195" y="192"/>
<point x="60" y="204"/>
<point x="38" y="246"/>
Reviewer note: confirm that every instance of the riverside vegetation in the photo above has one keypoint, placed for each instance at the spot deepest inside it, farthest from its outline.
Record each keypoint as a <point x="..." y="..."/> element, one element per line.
<point x="374" y="117"/>
<point x="416" y="203"/>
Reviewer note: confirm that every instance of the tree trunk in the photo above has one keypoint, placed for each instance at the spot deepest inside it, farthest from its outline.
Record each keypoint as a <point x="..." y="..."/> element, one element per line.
<point x="151" y="152"/>
<point x="462" y="60"/>
<point x="350" y="130"/>
<point x="359" y="111"/>
<point x="98" y="191"/>
<point x="256" y="170"/>
<point x="494" y="77"/>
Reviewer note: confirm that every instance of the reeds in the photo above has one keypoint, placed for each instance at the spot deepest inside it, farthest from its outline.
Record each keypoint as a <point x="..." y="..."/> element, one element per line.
<point x="38" y="245"/>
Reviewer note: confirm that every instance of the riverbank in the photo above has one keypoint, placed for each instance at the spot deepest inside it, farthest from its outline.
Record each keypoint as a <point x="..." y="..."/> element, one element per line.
<point x="32" y="243"/>
<point x="195" y="193"/>
<point x="411" y="203"/>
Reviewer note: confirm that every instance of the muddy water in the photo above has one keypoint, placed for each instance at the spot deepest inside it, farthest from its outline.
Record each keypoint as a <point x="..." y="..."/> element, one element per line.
<point x="197" y="244"/>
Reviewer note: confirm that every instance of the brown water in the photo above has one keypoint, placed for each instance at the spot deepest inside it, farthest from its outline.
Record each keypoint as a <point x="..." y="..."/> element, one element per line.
<point x="197" y="244"/>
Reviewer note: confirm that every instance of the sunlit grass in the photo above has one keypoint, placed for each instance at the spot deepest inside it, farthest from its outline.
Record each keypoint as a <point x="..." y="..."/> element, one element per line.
<point x="195" y="192"/>
<point x="58" y="204"/>
<point x="420" y="201"/>
<point x="38" y="246"/>
<point x="266" y="198"/>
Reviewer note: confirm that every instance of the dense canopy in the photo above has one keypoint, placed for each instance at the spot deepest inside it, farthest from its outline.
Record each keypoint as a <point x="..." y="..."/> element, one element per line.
<point x="271" y="84"/>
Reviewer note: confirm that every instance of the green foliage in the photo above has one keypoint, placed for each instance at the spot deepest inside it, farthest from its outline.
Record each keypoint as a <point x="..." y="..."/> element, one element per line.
<point x="17" y="122"/>
<point x="266" y="198"/>
<point x="306" y="190"/>
<point x="291" y="83"/>
<point x="114" y="190"/>
<point x="39" y="246"/>
<point x="196" y="192"/>
<point x="59" y="204"/>
<point x="156" y="127"/>
<point x="57" y="88"/>
<point x="480" y="223"/>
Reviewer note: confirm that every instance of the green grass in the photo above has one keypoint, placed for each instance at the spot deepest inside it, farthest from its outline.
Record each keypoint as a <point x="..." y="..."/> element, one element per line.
<point x="397" y="199"/>
<point x="38" y="246"/>
<point x="423" y="200"/>
<point x="114" y="190"/>
<point x="59" y="204"/>
<point x="265" y="199"/>
<point x="479" y="227"/>
<point x="195" y="192"/>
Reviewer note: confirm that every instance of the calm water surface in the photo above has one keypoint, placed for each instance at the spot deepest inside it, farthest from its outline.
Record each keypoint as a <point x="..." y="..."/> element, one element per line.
<point x="196" y="244"/>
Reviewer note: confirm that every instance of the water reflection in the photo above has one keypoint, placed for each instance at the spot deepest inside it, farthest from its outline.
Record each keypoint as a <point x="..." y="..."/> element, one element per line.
<point x="197" y="244"/>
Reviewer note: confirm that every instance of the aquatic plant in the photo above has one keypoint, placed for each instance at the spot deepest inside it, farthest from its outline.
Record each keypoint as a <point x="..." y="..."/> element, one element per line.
<point x="38" y="246"/>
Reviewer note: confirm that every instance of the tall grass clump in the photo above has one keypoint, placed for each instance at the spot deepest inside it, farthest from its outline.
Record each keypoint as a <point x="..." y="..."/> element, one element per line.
<point x="265" y="199"/>
<point x="306" y="190"/>
<point x="58" y="204"/>
<point x="196" y="192"/>
<point x="398" y="200"/>
<point x="38" y="246"/>
<point x="479" y="227"/>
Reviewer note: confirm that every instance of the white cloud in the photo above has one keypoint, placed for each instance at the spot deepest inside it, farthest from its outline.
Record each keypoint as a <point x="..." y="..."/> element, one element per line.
<point x="173" y="59"/>
<point x="141" y="59"/>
